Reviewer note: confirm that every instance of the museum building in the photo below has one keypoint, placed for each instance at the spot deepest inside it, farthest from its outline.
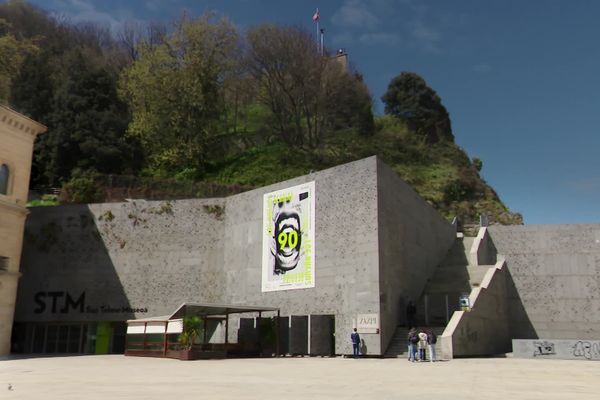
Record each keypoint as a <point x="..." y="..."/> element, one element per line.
<point x="325" y="248"/>
<point x="329" y="251"/>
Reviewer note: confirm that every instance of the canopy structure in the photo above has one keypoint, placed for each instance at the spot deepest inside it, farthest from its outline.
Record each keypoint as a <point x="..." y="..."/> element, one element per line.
<point x="159" y="336"/>
<point x="209" y="309"/>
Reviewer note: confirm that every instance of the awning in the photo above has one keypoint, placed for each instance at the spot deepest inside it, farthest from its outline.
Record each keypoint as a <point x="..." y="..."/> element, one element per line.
<point x="210" y="309"/>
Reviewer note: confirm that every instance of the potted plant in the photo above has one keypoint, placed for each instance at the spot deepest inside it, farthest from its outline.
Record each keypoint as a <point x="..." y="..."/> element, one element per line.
<point x="192" y="326"/>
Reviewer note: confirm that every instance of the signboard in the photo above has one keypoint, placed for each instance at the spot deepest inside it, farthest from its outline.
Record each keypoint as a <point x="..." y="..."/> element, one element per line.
<point x="288" y="238"/>
<point x="367" y="323"/>
<point x="464" y="302"/>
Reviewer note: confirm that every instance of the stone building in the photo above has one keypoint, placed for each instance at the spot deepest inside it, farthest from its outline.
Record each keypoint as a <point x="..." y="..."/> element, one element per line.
<point x="17" y="134"/>
<point x="89" y="268"/>
<point x="366" y="245"/>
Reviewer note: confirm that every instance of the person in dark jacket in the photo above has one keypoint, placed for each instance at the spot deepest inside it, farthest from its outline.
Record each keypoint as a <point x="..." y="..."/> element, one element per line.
<point x="413" y="339"/>
<point x="355" y="338"/>
<point x="431" y="341"/>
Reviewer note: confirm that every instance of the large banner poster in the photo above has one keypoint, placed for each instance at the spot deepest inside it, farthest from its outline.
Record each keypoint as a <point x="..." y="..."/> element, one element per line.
<point x="288" y="238"/>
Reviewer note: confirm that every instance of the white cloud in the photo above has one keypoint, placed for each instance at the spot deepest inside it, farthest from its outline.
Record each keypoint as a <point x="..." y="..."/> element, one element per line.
<point x="406" y="23"/>
<point x="358" y="19"/>
<point x="355" y="14"/>
<point x="425" y="33"/>
<point x="426" y="37"/>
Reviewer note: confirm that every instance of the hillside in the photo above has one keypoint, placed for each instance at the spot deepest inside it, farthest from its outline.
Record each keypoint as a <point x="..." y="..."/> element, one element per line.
<point x="442" y="173"/>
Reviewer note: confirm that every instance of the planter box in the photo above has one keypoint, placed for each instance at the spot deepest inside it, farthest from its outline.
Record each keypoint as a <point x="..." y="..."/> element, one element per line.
<point x="189" y="355"/>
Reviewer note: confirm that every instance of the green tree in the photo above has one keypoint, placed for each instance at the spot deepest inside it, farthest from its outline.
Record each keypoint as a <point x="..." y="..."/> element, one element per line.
<point x="175" y="91"/>
<point x="348" y="103"/>
<point x="88" y="124"/>
<point x="308" y="94"/>
<point x="13" y="51"/>
<point x="70" y="86"/>
<point x="410" y="99"/>
<point x="86" y="120"/>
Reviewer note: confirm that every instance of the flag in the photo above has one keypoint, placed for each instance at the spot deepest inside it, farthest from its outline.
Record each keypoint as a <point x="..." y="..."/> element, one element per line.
<point x="316" y="16"/>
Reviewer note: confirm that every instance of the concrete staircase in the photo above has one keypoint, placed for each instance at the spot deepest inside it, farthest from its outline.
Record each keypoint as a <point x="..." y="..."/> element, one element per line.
<point x="453" y="278"/>
<point x="398" y="347"/>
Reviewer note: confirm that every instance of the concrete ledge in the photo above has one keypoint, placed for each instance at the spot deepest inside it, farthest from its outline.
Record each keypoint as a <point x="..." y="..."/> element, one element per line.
<point x="559" y="349"/>
<point x="483" y="251"/>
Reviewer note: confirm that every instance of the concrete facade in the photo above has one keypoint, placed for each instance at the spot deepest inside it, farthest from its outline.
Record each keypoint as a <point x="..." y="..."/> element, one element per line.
<point x="413" y="240"/>
<point x="127" y="260"/>
<point x="545" y="285"/>
<point x="17" y="134"/>
<point x="376" y="244"/>
<point x="346" y="249"/>
<point x="553" y="284"/>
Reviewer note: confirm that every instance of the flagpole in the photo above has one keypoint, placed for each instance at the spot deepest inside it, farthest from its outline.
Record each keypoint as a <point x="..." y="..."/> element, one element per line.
<point x="318" y="31"/>
<point x="322" y="34"/>
<point x="316" y="17"/>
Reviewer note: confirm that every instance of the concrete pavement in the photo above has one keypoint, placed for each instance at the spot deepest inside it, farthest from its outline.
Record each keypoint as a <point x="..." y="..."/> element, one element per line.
<point x="119" y="377"/>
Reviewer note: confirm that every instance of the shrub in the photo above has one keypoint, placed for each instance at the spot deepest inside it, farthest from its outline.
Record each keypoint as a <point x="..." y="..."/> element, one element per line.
<point x="83" y="187"/>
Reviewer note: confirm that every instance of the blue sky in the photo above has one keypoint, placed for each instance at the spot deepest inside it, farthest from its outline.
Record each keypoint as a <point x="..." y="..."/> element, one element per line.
<point x="520" y="79"/>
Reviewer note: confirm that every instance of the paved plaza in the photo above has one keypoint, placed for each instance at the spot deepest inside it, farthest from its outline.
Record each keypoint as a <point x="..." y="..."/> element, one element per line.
<point x="120" y="377"/>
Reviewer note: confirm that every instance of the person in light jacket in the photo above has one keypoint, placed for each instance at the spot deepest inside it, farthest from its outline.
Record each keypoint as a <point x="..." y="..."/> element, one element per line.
<point x="422" y="345"/>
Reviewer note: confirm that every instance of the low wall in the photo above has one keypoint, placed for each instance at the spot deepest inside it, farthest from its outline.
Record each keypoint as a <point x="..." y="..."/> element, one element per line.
<point x="557" y="349"/>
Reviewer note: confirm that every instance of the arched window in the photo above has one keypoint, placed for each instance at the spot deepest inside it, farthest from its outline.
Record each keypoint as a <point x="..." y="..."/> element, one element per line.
<point x="4" y="176"/>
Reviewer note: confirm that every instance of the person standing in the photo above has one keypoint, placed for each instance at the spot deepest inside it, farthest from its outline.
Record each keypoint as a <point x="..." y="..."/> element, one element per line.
<point x="431" y="341"/>
<point x="355" y="338"/>
<point x="422" y="345"/>
<point x="413" y="339"/>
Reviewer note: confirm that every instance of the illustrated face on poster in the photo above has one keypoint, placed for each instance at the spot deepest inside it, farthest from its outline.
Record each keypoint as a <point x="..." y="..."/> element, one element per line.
<point x="288" y="238"/>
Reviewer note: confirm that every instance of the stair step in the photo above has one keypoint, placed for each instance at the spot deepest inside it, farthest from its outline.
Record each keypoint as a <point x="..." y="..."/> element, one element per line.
<point x="398" y="346"/>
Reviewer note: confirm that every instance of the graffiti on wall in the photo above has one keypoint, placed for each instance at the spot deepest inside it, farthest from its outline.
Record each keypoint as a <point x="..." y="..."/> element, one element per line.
<point x="543" y="348"/>
<point x="587" y="350"/>
<point x="288" y="238"/>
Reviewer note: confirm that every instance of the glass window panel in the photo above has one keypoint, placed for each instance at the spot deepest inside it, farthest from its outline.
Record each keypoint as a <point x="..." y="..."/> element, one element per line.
<point x="74" y="338"/>
<point x="38" y="339"/>
<point x="51" y="338"/>
<point x="118" y="343"/>
<point x="63" y="338"/>
<point x="4" y="175"/>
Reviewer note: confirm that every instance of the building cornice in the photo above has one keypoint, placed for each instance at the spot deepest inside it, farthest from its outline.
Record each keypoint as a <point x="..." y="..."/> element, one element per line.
<point x="12" y="207"/>
<point x="10" y="274"/>
<point x="15" y="121"/>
